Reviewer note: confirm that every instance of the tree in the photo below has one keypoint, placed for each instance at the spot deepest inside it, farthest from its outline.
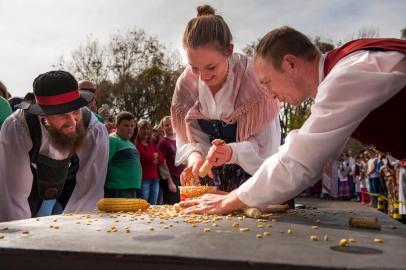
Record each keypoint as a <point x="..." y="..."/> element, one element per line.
<point x="88" y="62"/>
<point x="133" y="73"/>
<point x="249" y="49"/>
<point x="368" y="32"/>
<point x="145" y="95"/>
<point x="322" y="45"/>
<point x="132" y="51"/>
<point x="403" y="33"/>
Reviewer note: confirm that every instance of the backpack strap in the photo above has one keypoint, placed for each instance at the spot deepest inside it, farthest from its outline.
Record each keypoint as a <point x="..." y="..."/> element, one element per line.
<point x="35" y="133"/>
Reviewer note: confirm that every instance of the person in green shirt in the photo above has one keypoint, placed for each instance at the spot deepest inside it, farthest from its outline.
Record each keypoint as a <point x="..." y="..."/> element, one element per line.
<point x="5" y="110"/>
<point x="124" y="170"/>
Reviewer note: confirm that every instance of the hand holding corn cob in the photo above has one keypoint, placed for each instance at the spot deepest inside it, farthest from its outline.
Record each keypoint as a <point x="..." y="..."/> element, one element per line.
<point x="189" y="176"/>
<point x="206" y="167"/>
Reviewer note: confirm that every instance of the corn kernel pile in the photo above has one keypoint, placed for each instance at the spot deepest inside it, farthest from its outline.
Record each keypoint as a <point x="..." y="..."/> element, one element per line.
<point x="196" y="191"/>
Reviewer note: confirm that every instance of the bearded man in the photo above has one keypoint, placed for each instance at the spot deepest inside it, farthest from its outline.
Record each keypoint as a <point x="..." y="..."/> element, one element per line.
<point x="53" y="152"/>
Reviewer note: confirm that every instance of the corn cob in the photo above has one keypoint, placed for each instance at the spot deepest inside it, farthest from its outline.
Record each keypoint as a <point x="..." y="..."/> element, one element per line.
<point x="121" y="204"/>
<point x="253" y="212"/>
<point x="364" y="222"/>
<point x="273" y="208"/>
<point x="206" y="167"/>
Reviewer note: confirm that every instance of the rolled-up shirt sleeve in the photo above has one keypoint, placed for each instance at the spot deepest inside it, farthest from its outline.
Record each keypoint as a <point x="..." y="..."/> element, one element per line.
<point x="250" y="154"/>
<point x="91" y="176"/>
<point x="357" y="85"/>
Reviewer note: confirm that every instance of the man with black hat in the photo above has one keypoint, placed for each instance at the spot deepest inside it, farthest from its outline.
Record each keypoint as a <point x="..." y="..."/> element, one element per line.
<point x="53" y="152"/>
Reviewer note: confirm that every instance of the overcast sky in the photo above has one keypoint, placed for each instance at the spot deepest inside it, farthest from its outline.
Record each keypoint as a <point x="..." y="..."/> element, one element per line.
<point x="34" y="34"/>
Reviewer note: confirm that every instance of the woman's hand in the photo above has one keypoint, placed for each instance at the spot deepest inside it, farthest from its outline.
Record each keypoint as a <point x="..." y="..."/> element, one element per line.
<point x="219" y="153"/>
<point x="190" y="173"/>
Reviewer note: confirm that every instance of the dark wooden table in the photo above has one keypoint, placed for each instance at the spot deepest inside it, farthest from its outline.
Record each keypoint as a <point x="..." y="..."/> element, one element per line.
<point x="82" y="241"/>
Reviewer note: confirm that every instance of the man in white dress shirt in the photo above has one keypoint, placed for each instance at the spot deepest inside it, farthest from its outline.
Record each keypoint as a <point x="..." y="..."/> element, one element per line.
<point x="53" y="152"/>
<point x="356" y="86"/>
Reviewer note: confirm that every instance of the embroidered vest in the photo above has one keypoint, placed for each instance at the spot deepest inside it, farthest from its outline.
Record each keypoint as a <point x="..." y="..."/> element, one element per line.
<point x="384" y="127"/>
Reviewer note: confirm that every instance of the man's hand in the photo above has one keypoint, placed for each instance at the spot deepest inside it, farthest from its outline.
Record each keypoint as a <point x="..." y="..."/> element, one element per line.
<point x="219" y="153"/>
<point x="213" y="204"/>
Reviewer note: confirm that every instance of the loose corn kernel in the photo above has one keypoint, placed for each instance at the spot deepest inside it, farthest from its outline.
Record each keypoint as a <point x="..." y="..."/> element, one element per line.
<point x="351" y="240"/>
<point x="314" y="238"/>
<point x="260" y="226"/>
<point x="235" y="225"/>
<point x="378" y="240"/>
<point x="151" y="228"/>
<point x="244" y="229"/>
<point x="1" y="236"/>
<point x="258" y="235"/>
<point x="315" y="227"/>
<point x="343" y="242"/>
<point x="206" y="229"/>
<point x="325" y="237"/>
<point x="290" y="231"/>
<point x="267" y="233"/>
<point x="269" y="225"/>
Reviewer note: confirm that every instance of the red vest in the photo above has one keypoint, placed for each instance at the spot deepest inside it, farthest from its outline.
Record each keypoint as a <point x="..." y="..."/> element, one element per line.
<point x="384" y="127"/>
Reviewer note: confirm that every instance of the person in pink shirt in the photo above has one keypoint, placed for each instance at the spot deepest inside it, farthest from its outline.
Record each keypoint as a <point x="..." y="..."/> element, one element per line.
<point x="151" y="157"/>
<point x="167" y="145"/>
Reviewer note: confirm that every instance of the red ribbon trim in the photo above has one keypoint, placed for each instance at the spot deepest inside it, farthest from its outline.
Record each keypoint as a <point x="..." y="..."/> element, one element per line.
<point x="58" y="99"/>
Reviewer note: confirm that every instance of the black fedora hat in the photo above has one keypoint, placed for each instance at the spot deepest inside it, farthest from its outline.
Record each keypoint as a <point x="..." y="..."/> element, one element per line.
<point x="56" y="92"/>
